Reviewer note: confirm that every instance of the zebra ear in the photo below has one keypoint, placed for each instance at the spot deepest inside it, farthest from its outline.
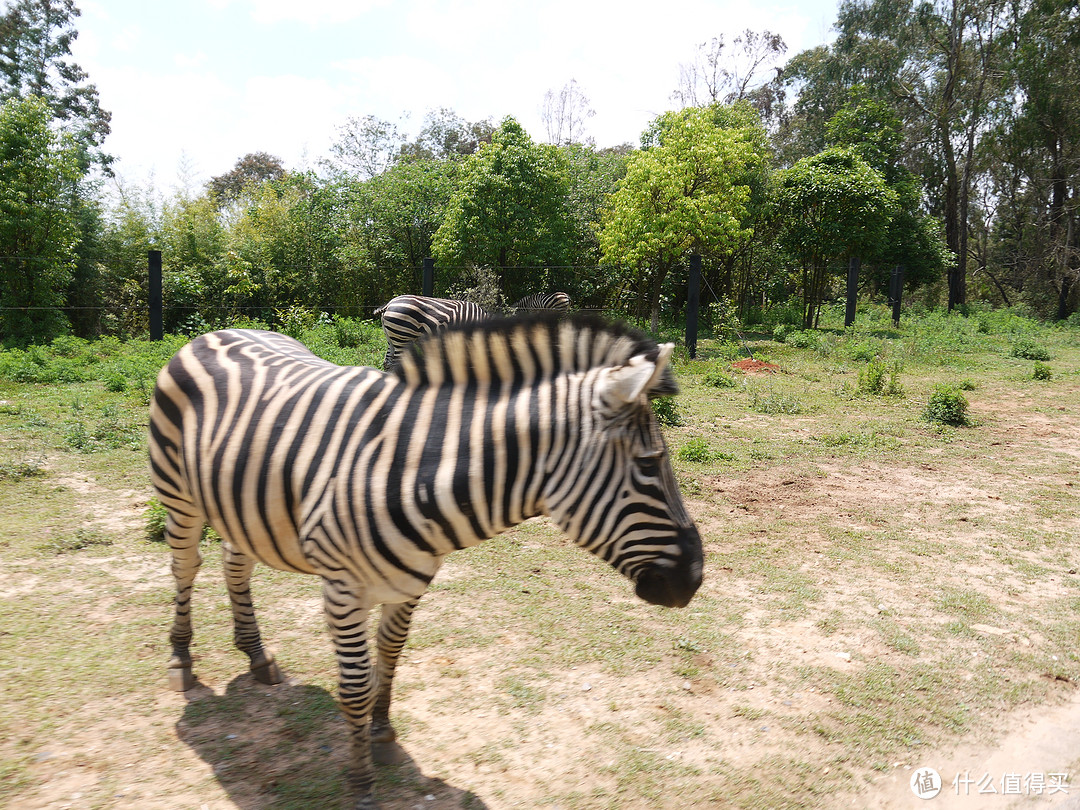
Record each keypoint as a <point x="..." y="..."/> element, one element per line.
<point x="644" y="374"/>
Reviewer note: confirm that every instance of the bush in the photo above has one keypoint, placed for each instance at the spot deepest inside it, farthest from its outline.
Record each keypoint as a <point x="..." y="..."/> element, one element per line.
<point x="1042" y="371"/>
<point x="1028" y="349"/>
<point x="667" y="412"/>
<point x="696" y="450"/>
<point x="802" y="340"/>
<point x="718" y="378"/>
<point x="946" y="406"/>
<point x="879" y="379"/>
<point x="781" y="331"/>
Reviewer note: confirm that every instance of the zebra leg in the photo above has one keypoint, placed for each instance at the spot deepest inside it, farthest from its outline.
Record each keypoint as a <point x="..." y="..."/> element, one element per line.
<point x="347" y="618"/>
<point x="246" y="635"/>
<point x="182" y="532"/>
<point x="393" y="630"/>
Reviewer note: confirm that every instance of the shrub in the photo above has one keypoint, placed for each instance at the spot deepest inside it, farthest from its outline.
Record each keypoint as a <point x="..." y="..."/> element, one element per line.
<point x="695" y="450"/>
<point x="879" y="379"/>
<point x="1042" y="371"/>
<point x="719" y="379"/>
<point x="946" y="406"/>
<point x="802" y="340"/>
<point x="865" y="350"/>
<point x="1028" y="349"/>
<point x="781" y="331"/>
<point x="667" y="412"/>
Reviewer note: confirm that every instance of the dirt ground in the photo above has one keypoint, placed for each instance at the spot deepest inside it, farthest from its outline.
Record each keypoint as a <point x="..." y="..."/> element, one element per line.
<point x="208" y="750"/>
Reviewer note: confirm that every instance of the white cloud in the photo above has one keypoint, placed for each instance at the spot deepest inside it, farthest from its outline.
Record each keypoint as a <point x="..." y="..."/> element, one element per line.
<point x="313" y="12"/>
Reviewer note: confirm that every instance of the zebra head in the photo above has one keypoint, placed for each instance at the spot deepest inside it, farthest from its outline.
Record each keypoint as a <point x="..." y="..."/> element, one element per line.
<point x="622" y="502"/>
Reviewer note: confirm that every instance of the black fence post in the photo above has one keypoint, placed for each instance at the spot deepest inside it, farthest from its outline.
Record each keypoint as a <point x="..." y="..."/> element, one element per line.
<point x="693" y="301"/>
<point x="429" y="278"/>
<point x="896" y="292"/>
<point x="157" y="329"/>
<point x="852" y="290"/>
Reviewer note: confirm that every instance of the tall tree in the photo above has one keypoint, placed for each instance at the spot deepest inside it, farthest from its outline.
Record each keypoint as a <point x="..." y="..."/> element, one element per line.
<point x="509" y="207"/>
<point x="564" y="114"/>
<point x="834" y="206"/>
<point x="688" y="191"/>
<point x="35" y="51"/>
<point x="39" y="220"/>
<point x="939" y="62"/>
<point x="251" y="170"/>
<point x="719" y="74"/>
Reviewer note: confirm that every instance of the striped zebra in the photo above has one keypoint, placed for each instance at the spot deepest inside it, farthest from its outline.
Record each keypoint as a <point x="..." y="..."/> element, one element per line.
<point x="409" y="317"/>
<point x="406" y="318"/>
<point x="369" y="479"/>
<point x="551" y="302"/>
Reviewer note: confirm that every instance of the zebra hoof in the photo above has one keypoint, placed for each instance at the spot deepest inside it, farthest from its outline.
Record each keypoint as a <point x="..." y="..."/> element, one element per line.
<point x="180" y="679"/>
<point x="382" y="733"/>
<point x="267" y="672"/>
<point x="388" y="753"/>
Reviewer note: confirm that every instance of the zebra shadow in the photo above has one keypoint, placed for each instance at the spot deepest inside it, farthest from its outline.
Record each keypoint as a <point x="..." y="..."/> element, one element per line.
<point x="286" y="746"/>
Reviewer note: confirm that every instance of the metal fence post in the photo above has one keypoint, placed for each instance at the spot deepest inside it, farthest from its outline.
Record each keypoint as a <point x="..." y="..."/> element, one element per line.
<point x="693" y="300"/>
<point x="852" y="290"/>
<point x="429" y="278"/>
<point x="896" y="292"/>
<point x="157" y="329"/>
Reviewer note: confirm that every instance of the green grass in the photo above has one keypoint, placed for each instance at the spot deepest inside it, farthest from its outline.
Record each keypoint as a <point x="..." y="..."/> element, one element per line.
<point x="837" y="521"/>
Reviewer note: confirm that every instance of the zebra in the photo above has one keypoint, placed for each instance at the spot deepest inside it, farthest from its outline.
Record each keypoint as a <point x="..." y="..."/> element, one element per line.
<point x="369" y="479"/>
<point x="553" y="302"/>
<point x="408" y="317"/>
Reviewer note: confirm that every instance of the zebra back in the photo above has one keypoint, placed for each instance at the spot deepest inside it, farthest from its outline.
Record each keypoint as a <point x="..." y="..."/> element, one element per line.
<point x="554" y="302"/>
<point x="408" y="317"/>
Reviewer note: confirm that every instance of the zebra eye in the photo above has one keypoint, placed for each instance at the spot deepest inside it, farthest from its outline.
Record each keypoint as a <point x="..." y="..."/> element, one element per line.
<point x="649" y="463"/>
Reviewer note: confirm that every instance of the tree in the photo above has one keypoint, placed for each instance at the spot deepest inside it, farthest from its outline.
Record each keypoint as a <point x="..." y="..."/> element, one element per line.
<point x="832" y="206"/>
<point x="679" y="195"/>
<point x="446" y="136"/>
<point x="250" y="171"/>
<point x="872" y="128"/>
<point x="509" y="206"/>
<point x="939" y="63"/>
<point x="39" y="220"/>
<point x="564" y="114"/>
<point x="35" y="46"/>
<point x="716" y="77"/>
<point x="366" y="146"/>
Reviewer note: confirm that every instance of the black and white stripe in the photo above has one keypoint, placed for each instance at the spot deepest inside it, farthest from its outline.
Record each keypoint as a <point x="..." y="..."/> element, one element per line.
<point x="547" y="302"/>
<point x="407" y="318"/>
<point x="369" y="479"/>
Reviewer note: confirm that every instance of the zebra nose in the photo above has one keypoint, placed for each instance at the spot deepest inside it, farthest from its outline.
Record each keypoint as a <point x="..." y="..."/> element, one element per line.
<point x="674" y="586"/>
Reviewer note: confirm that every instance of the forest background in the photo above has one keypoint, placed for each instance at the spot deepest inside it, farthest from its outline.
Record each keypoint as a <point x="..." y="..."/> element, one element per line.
<point x="941" y="136"/>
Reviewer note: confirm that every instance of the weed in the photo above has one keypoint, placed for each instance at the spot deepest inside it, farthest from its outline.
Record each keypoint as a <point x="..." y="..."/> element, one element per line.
<point x="879" y="379"/>
<point x="696" y="450"/>
<point x="82" y="539"/>
<point x="803" y="340"/>
<point x="771" y="402"/>
<point x="1028" y="349"/>
<point x="667" y="412"/>
<point x="946" y="406"/>
<point x="1041" y="372"/>
<point x="27" y="468"/>
<point x="718" y="378"/>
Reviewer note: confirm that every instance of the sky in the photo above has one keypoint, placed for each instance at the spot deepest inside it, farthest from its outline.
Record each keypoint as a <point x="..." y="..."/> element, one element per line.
<point x="193" y="86"/>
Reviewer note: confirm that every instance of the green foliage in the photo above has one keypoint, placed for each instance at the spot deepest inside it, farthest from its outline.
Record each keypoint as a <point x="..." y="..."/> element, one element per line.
<point x="39" y="221"/>
<point x="696" y="450"/>
<point x="1028" y="349"/>
<point x="880" y="379"/>
<point x="509" y="206"/>
<point x="1042" y="372"/>
<point x="946" y="406"/>
<point x="803" y="339"/>
<point x="832" y="205"/>
<point x="667" y="412"/>
<point x="717" y="377"/>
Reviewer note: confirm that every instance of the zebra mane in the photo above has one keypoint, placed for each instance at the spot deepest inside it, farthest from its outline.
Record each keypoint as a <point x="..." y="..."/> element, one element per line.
<point x="525" y="349"/>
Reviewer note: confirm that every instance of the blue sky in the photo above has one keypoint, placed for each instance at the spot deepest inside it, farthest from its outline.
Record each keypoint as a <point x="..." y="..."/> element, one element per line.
<point x="193" y="86"/>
